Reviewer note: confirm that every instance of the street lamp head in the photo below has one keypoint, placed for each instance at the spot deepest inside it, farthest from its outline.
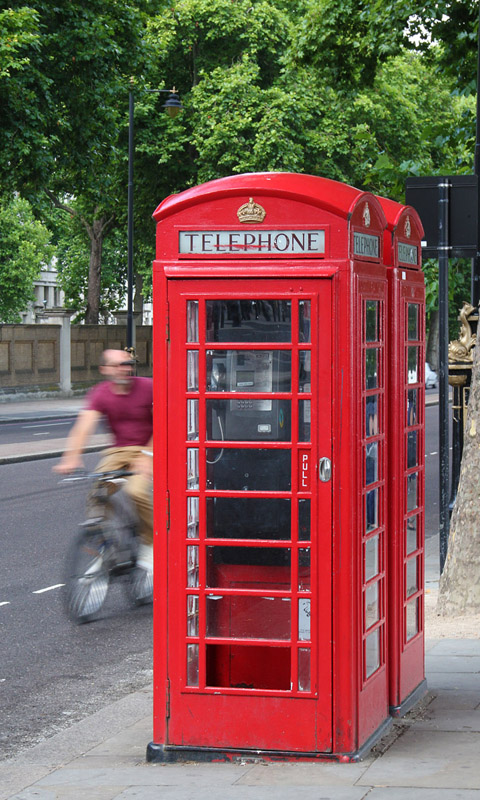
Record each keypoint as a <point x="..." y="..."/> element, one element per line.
<point x="173" y="105"/>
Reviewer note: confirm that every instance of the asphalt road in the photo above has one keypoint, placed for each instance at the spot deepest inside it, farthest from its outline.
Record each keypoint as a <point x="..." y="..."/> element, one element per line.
<point x="51" y="671"/>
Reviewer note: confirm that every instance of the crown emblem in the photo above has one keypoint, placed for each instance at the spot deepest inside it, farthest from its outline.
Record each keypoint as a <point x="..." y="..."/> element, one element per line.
<point x="251" y="212"/>
<point x="366" y="216"/>
<point x="408" y="228"/>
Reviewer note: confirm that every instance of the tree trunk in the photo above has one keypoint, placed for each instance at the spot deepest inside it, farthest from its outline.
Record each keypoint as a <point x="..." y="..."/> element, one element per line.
<point x="459" y="591"/>
<point x="432" y="341"/>
<point x="95" y="233"/>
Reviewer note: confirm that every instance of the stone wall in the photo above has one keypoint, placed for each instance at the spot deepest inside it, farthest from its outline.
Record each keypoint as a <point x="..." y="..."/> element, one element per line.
<point x="30" y="354"/>
<point x="29" y="357"/>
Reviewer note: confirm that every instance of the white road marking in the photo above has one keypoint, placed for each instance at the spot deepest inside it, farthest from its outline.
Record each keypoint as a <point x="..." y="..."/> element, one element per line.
<point x="48" y="588"/>
<point x="41" y="434"/>
<point x="5" y="603"/>
<point x="47" y="424"/>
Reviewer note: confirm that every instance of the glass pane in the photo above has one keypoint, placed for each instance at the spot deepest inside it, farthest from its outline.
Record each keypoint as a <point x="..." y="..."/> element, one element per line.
<point x="248" y="568"/>
<point x="248" y="666"/>
<point x="192" y="468"/>
<point x="371" y="320"/>
<point x="193" y="518"/>
<point x="412" y="491"/>
<point x="249" y="371"/>
<point x="372" y="652"/>
<point x="371" y="368"/>
<point x="304" y="371"/>
<point x="248" y="420"/>
<point x="303" y="619"/>
<point x="371" y="558"/>
<point x="304" y="416"/>
<point x="371" y="428"/>
<point x="412" y="367"/>
<point x="412" y="538"/>
<point x="371" y="510"/>
<point x="412" y="619"/>
<point x="192" y="420"/>
<point x="412" y="407"/>
<point x="304" y="324"/>
<point x="248" y="518"/>
<point x="192" y="566"/>
<point x="192" y="370"/>
<point x="371" y="463"/>
<point x="412" y="583"/>
<point x="192" y="321"/>
<point x="246" y="470"/>
<point x="192" y="664"/>
<point x="248" y="617"/>
<point x="304" y="570"/>
<point x="304" y="669"/>
<point x="304" y="520"/>
<point x="412" y="321"/>
<point x="372" y="610"/>
<point x="248" y="321"/>
<point x="412" y="452"/>
<point x="192" y="615"/>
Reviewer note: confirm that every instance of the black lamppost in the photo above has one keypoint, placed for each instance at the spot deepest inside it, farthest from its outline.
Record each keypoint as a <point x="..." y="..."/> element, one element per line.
<point x="172" y="107"/>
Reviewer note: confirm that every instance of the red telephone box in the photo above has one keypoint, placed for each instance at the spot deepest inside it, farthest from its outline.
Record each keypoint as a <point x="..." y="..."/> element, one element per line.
<point x="402" y="253"/>
<point x="271" y="487"/>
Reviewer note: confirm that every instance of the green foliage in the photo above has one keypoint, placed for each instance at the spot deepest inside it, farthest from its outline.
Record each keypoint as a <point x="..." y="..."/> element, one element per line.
<point x="363" y="91"/>
<point x="72" y="254"/>
<point x="458" y="289"/>
<point x="24" y="249"/>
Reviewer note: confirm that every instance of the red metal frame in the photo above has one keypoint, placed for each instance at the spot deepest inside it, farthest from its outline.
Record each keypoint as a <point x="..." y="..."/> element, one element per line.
<point x="346" y="707"/>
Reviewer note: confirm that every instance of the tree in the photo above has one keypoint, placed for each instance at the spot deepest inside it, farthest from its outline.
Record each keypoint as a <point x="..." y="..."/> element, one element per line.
<point x="64" y="91"/>
<point x="459" y="591"/>
<point x="24" y="249"/>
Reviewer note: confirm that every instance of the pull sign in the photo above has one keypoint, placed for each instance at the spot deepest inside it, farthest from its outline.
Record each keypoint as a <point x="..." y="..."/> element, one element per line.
<point x="304" y="470"/>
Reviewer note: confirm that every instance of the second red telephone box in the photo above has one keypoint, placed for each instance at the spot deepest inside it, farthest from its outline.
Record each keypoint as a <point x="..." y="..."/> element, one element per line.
<point x="271" y="488"/>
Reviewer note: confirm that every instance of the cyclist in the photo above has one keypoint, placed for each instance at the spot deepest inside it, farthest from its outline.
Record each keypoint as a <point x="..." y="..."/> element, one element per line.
<point x="125" y="401"/>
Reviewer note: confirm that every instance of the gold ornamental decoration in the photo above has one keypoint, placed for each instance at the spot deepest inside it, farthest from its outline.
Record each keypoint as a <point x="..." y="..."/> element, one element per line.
<point x="462" y="348"/>
<point x="366" y="216"/>
<point x="251" y="212"/>
<point x="408" y="228"/>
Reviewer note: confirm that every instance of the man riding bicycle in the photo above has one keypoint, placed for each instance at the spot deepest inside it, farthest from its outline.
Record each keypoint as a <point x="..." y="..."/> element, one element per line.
<point x="125" y="401"/>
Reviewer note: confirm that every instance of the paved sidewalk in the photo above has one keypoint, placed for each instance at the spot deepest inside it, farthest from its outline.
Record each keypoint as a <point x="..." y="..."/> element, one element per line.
<point x="38" y="409"/>
<point x="433" y="754"/>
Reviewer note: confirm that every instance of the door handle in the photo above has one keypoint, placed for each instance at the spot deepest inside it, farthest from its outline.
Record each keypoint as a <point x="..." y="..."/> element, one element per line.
<point x="325" y="469"/>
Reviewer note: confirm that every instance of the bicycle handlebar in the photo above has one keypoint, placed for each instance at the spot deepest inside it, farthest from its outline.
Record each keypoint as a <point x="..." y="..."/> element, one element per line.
<point x="80" y="475"/>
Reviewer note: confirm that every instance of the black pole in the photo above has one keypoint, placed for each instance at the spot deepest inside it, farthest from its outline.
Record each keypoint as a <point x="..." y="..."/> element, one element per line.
<point x="443" y="250"/>
<point x="130" y="225"/>
<point x="475" y="289"/>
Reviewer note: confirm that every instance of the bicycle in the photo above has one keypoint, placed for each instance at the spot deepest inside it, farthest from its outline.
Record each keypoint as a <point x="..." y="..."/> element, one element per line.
<point x="104" y="549"/>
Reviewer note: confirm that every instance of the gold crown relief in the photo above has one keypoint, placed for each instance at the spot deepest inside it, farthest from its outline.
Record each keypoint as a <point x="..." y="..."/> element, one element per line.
<point x="251" y="212"/>
<point x="366" y="215"/>
<point x="408" y="228"/>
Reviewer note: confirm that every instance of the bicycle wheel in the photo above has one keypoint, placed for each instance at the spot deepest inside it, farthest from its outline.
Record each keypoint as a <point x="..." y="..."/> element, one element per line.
<point x="88" y="575"/>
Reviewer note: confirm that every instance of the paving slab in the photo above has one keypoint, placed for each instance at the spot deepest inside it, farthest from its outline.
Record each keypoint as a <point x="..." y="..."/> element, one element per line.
<point x="201" y="776"/>
<point x="242" y="793"/>
<point x="455" y="700"/>
<point x="95" y="730"/>
<point x="456" y="647"/>
<point x="14" y="777"/>
<point x="422" y="759"/>
<point x="435" y="662"/>
<point x="393" y="793"/>
<point x="453" y="681"/>
<point x="320" y="773"/>
<point x="70" y="793"/>
<point x="449" y="720"/>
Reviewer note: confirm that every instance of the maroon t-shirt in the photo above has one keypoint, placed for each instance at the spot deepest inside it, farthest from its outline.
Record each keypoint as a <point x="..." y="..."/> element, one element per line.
<point x="129" y="415"/>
